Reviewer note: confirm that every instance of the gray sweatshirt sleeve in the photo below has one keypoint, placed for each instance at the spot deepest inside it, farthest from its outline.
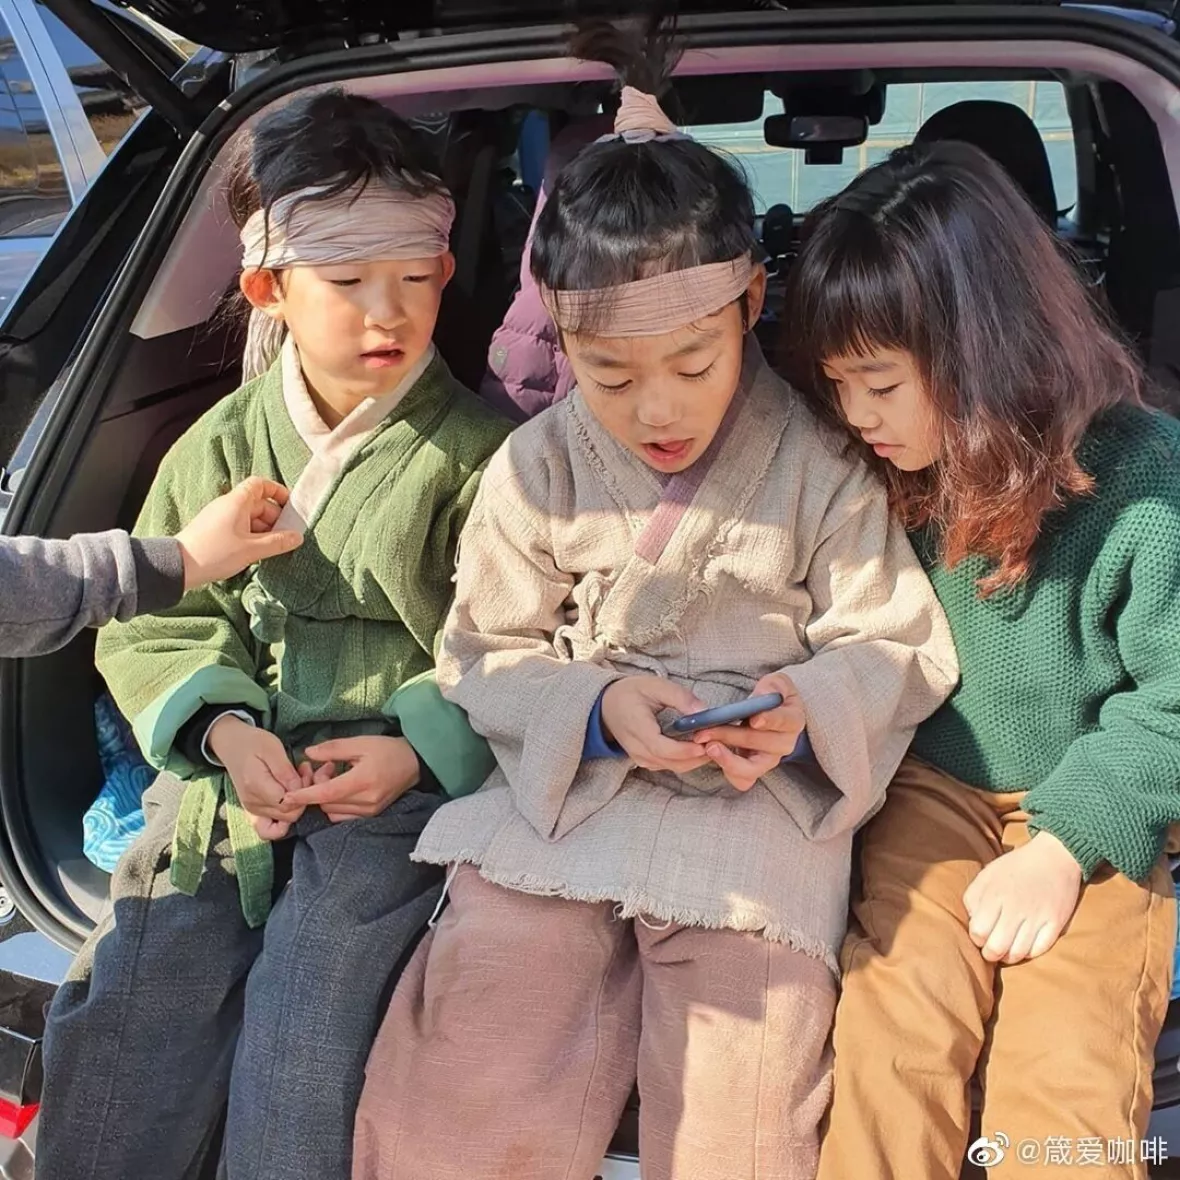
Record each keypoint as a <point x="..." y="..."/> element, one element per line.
<point x="51" y="590"/>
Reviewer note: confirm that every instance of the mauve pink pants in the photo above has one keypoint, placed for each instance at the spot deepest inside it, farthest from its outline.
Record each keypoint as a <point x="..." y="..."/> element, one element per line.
<point x="519" y="1027"/>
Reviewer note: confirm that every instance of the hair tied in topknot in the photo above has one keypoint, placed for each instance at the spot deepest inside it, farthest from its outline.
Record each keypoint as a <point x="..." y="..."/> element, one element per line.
<point x="641" y="119"/>
<point x="622" y="214"/>
<point x="642" y="52"/>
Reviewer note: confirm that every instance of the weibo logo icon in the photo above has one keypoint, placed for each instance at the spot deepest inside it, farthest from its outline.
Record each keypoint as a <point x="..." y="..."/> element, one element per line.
<point x="986" y="1153"/>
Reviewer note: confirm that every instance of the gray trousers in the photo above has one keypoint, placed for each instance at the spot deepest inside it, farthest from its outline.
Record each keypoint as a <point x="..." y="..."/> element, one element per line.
<point x="176" y="1015"/>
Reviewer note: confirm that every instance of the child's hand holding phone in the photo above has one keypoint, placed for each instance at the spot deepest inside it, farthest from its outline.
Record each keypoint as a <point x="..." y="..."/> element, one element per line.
<point x="629" y="710"/>
<point x="748" y="751"/>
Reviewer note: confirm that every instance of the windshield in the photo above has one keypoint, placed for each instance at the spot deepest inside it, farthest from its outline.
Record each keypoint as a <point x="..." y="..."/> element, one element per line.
<point x="781" y="174"/>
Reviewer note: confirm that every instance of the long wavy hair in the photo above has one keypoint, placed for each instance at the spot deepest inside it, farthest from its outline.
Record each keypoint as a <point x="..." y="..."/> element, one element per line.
<point x="936" y="252"/>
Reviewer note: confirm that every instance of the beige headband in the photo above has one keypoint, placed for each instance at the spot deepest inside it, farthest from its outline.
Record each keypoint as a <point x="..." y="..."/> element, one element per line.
<point x="370" y="225"/>
<point x="652" y="306"/>
<point x="373" y="224"/>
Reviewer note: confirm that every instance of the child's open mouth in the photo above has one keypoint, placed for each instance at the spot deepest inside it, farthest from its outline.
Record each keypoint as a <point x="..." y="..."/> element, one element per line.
<point x="383" y="358"/>
<point x="667" y="453"/>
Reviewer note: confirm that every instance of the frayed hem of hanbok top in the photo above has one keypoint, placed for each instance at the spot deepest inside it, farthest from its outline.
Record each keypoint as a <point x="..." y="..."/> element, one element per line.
<point x="635" y="904"/>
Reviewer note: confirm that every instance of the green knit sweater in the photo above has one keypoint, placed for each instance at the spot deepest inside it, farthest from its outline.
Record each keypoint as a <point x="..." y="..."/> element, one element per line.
<point x="1071" y="683"/>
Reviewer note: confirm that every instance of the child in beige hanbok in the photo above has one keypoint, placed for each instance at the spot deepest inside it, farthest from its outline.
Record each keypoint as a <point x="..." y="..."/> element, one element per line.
<point x="678" y="533"/>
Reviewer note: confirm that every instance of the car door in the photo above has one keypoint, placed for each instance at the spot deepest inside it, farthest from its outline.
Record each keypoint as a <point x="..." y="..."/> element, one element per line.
<point x="48" y="315"/>
<point x="62" y="111"/>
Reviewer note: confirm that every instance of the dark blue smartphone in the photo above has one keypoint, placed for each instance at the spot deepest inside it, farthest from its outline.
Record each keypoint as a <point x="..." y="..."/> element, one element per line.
<point x="684" y="727"/>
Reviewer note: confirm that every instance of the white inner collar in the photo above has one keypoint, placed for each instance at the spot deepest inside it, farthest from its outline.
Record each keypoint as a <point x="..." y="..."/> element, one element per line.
<point x="331" y="448"/>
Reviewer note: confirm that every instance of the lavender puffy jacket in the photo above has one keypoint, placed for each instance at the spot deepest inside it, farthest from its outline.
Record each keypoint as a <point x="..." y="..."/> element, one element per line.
<point x="527" y="371"/>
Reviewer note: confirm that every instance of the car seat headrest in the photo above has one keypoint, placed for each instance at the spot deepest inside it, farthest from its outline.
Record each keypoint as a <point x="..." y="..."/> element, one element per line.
<point x="778" y="228"/>
<point x="1008" y="136"/>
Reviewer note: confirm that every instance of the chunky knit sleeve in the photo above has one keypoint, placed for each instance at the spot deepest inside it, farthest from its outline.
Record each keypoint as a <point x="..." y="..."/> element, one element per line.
<point x="1117" y="787"/>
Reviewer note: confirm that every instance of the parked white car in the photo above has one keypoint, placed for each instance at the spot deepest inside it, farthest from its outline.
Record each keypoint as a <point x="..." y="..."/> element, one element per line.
<point x="62" y="111"/>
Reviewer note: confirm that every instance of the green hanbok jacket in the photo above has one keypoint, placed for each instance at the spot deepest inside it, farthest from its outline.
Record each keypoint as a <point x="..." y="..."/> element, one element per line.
<point x="334" y="640"/>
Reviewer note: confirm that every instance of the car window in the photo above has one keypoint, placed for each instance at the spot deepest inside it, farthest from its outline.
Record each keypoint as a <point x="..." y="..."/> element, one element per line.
<point x="782" y="175"/>
<point x="111" y="105"/>
<point x="33" y="192"/>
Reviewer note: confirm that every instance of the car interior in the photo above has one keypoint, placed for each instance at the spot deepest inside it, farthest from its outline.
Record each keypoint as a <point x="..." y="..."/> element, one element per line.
<point x="1086" y="133"/>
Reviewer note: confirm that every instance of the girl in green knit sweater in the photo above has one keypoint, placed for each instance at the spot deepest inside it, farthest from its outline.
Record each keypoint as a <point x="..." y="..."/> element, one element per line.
<point x="292" y="703"/>
<point x="1015" y="917"/>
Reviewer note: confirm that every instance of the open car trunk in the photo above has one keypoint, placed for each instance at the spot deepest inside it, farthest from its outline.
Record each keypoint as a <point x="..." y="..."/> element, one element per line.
<point x="103" y="379"/>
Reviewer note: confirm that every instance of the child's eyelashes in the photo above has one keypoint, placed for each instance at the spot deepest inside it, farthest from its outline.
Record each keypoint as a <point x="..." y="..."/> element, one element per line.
<point x="702" y="375"/>
<point x="355" y="282"/>
<point x="871" y="390"/>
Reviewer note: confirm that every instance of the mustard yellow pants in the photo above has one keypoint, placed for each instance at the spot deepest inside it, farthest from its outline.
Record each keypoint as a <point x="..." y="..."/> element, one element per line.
<point x="1063" y="1045"/>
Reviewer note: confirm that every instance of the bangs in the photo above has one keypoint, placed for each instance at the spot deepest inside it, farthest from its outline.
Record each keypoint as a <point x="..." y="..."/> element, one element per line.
<point x="855" y="297"/>
<point x="936" y="253"/>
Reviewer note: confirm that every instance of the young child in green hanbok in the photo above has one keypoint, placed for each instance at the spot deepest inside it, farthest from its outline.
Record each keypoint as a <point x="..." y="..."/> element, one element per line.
<point x="293" y="703"/>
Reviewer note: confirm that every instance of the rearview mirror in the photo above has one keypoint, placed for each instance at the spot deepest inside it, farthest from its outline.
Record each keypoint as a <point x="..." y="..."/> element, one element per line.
<point x="822" y="137"/>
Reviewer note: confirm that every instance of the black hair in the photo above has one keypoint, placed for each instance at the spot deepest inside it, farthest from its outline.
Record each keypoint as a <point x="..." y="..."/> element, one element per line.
<point x="332" y="140"/>
<point x="623" y="211"/>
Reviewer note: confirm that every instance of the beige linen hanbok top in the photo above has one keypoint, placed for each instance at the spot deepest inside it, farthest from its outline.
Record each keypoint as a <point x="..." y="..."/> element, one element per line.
<point x="579" y="564"/>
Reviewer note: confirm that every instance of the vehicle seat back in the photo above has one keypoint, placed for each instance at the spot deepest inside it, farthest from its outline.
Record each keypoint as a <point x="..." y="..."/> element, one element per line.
<point x="1008" y="136"/>
<point x="477" y="297"/>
